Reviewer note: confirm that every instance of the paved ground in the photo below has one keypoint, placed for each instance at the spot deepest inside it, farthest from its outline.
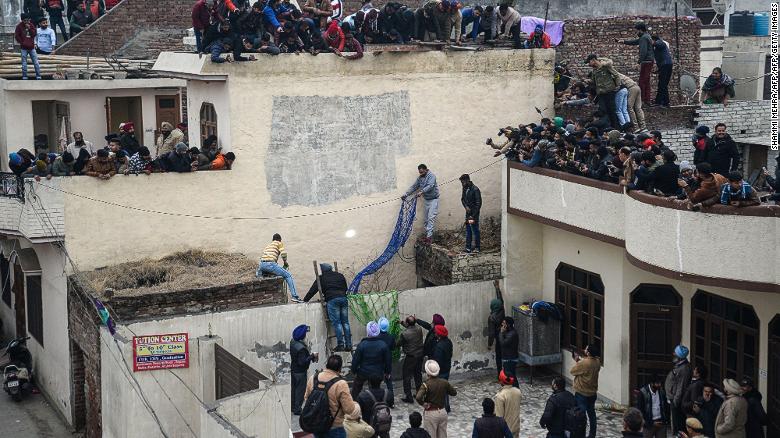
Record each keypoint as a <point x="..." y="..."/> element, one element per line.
<point x="33" y="417"/>
<point x="467" y="406"/>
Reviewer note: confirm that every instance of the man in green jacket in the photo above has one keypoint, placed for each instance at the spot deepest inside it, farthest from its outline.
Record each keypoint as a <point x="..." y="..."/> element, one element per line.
<point x="606" y="82"/>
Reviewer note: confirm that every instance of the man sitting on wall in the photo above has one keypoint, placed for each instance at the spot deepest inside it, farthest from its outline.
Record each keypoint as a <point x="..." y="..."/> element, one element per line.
<point x="708" y="192"/>
<point x="269" y="265"/>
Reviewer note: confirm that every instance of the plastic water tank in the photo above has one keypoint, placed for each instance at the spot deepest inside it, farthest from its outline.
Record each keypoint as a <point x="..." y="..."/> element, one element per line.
<point x="741" y="24"/>
<point x="761" y="24"/>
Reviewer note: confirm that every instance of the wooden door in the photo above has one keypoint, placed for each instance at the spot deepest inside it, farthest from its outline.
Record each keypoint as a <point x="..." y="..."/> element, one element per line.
<point x="656" y="328"/>
<point x="167" y="109"/>
<point x="773" y="379"/>
<point x="18" y="287"/>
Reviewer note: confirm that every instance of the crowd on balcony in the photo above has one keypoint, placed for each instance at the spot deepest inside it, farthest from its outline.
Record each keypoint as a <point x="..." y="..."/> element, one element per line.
<point x="236" y="27"/>
<point x="123" y="154"/>
<point x="642" y="161"/>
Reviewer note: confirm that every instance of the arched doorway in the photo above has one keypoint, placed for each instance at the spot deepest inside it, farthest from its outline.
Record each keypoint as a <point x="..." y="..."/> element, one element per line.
<point x="656" y="328"/>
<point x="773" y="378"/>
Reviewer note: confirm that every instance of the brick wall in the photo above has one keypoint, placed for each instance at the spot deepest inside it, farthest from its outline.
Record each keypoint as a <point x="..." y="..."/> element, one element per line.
<point x="83" y="330"/>
<point x="213" y="299"/>
<point x="744" y="118"/>
<point x="135" y="28"/>
<point x="440" y="266"/>
<point x="597" y="35"/>
<point x="656" y="118"/>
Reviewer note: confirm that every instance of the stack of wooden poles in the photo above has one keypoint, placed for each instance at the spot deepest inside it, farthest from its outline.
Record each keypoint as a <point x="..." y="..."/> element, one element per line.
<point x="11" y="65"/>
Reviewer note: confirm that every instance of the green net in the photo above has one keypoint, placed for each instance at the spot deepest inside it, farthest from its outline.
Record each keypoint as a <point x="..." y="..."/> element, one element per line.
<point x="372" y="306"/>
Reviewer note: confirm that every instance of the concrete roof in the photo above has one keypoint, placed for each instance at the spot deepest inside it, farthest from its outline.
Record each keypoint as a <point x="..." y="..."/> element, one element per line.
<point x="98" y="84"/>
<point x="757" y="140"/>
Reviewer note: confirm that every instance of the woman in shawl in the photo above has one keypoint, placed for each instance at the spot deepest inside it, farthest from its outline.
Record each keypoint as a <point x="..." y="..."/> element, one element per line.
<point x="718" y="88"/>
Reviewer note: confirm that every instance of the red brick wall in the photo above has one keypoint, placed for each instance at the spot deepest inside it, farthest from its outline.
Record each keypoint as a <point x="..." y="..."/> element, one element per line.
<point x="597" y="35"/>
<point x="125" y="21"/>
<point x="83" y="330"/>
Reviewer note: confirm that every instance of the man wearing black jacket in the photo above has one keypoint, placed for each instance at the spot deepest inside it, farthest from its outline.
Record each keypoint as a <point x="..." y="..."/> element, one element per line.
<point x="300" y="359"/>
<point x="666" y="175"/>
<point x="721" y="151"/>
<point x="653" y="404"/>
<point x="442" y="354"/>
<point x="554" y="416"/>
<point x="756" y="416"/>
<point x="509" y="348"/>
<point x="334" y="292"/>
<point x="472" y="202"/>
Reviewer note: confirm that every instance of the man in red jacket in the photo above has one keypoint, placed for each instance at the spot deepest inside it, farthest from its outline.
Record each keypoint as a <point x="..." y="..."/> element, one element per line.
<point x="25" y="36"/>
<point x="200" y="22"/>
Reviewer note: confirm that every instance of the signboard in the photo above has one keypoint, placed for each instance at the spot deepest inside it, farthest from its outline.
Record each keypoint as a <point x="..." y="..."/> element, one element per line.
<point x="159" y="352"/>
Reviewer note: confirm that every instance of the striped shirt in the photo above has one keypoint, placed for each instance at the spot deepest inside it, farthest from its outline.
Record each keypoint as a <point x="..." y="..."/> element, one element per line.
<point x="272" y="251"/>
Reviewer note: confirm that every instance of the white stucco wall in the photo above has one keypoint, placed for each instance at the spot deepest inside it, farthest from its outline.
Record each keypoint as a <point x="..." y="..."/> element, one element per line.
<point x="620" y="278"/>
<point x="51" y="361"/>
<point x="440" y="88"/>
<point x="87" y="108"/>
<point x="586" y="207"/>
<point x="215" y="93"/>
<point x="689" y="237"/>
<point x="260" y="337"/>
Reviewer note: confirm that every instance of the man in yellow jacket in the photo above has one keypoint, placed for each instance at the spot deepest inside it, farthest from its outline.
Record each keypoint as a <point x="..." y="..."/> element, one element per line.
<point x="586" y="383"/>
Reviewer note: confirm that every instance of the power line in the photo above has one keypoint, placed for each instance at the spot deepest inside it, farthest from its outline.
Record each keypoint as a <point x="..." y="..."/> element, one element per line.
<point x="241" y="218"/>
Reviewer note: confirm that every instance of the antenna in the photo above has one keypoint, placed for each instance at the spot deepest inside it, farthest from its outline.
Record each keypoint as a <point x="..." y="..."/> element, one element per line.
<point x="720" y="7"/>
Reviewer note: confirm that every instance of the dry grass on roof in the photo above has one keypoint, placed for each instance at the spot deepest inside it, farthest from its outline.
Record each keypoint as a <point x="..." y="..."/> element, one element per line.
<point x="194" y="269"/>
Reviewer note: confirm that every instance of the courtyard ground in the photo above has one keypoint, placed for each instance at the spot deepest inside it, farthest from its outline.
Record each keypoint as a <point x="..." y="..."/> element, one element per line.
<point x="467" y="406"/>
<point x="33" y="417"/>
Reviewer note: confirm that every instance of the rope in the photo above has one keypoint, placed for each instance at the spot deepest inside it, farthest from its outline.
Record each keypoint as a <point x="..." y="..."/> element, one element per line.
<point x="403" y="228"/>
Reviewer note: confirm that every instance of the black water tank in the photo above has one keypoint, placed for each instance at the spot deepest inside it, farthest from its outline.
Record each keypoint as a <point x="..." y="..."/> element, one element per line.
<point x="741" y="24"/>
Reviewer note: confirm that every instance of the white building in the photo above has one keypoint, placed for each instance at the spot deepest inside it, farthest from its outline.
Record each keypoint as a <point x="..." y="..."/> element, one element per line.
<point x="639" y="274"/>
<point x="56" y="109"/>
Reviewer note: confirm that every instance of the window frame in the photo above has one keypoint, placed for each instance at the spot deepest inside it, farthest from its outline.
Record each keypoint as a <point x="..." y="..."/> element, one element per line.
<point x="711" y="320"/>
<point x="579" y="292"/>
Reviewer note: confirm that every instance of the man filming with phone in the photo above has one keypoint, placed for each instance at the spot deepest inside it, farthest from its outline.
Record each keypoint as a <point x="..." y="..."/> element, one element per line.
<point x="586" y="382"/>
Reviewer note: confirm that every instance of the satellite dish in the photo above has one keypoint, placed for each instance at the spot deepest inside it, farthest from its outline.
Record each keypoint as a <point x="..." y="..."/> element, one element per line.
<point x="689" y="87"/>
<point x="720" y="7"/>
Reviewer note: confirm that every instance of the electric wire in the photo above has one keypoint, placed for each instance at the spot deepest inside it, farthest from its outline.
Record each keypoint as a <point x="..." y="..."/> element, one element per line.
<point x="241" y="218"/>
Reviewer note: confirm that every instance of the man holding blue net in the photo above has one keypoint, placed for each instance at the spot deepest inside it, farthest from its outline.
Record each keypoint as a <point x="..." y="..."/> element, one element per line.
<point x="425" y="185"/>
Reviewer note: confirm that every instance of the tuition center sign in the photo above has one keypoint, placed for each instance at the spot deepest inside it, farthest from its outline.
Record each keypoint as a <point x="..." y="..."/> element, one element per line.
<point x="159" y="352"/>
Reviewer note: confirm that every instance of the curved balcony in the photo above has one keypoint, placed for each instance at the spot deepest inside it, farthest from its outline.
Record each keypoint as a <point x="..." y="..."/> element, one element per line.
<point x="719" y="246"/>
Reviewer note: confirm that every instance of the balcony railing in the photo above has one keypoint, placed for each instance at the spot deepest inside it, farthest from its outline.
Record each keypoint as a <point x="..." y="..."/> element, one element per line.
<point x="11" y="186"/>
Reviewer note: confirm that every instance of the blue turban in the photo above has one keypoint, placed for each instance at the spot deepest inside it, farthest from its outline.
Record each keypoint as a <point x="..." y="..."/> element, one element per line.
<point x="325" y="267"/>
<point x="372" y="329"/>
<point x="300" y="332"/>
<point x="14" y="158"/>
<point x="538" y="28"/>
<point x="384" y="324"/>
<point x="681" y="351"/>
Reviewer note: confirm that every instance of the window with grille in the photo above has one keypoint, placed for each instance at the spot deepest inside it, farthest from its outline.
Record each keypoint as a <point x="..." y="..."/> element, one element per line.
<point x="34" y="307"/>
<point x="581" y="295"/>
<point x="5" y="280"/>
<point x="208" y="120"/>
<point x="725" y="337"/>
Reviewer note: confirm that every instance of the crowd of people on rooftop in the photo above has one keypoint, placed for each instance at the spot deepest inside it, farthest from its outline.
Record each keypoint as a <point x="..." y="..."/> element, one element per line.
<point x="316" y="26"/>
<point x="123" y="154"/>
<point x="642" y="161"/>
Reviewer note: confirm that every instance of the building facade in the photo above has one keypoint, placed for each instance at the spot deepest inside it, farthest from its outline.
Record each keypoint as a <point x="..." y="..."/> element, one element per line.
<point x="638" y="274"/>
